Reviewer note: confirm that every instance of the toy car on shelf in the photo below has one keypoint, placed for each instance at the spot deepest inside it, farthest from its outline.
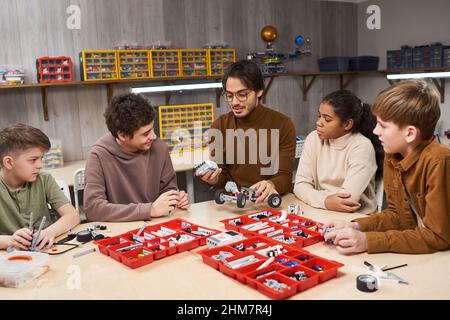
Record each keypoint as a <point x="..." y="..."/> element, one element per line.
<point x="232" y="193"/>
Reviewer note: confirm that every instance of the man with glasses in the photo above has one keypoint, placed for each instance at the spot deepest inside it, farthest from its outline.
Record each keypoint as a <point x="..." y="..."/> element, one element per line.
<point x="252" y="130"/>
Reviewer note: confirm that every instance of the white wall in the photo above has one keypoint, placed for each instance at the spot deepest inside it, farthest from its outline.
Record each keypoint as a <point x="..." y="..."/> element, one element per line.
<point x="403" y="22"/>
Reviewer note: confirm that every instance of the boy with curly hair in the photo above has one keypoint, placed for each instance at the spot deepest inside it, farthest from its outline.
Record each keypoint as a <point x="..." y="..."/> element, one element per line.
<point x="129" y="172"/>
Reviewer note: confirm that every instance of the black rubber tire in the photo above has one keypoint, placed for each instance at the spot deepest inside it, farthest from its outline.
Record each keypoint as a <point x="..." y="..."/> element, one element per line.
<point x="274" y="200"/>
<point x="240" y="201"/>
<point x="218" y="197"/>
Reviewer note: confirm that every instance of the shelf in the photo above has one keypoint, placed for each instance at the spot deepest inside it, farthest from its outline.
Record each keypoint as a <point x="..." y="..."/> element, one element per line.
<point x="345" y="78"/>
<point x="308" y="80"/>
<point x="109" y="86"/>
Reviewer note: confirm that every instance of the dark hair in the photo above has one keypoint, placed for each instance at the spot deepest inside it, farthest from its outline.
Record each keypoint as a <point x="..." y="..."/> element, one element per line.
<point x="20" y="137"/>
<point x="411" y="102"/>
<point x="127" y="113"/>
<point x="248" y="72"/>
<point x="348" y="106"/>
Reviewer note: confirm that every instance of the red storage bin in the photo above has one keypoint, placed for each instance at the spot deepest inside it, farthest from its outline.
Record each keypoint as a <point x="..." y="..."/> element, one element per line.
<point x="277" y="294"/>
<point x="302" y="285"/>
<point x="54" y="69"/>
<point x="158" y="246"/>
<point x="133" y="260"/>
<point x="253" y="276"/>
<point x="191" y="228"/>
<point x="232" y="272"/>
<point x="208" y="255"/>
<point x="328" y="268"/>
<point x="234" y="224"/>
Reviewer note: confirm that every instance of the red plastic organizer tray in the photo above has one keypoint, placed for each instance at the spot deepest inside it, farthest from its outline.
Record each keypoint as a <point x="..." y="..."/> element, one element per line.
<point x="295" y="230"/>
<point x="292" y="269"/>
<point x="154" y="242"/>
<point x="54" y="69"/>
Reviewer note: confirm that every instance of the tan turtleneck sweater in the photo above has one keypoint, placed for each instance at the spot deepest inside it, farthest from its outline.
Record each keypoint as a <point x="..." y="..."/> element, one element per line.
<point x="248" y="172"/>
<point x="343" y="165"/>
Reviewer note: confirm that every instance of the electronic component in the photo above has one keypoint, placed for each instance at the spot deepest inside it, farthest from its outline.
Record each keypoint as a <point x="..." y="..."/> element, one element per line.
<point x="205" y="167"/>
<point x="223" y="238"/>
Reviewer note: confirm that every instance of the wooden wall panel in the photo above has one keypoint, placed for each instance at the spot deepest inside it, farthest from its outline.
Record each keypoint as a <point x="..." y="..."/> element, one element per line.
<point x="30" y="29"/>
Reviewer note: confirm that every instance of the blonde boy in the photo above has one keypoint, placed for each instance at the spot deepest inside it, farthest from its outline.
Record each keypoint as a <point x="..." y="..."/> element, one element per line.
<point x="23" y="189"/>
<point x="416" y="179"/>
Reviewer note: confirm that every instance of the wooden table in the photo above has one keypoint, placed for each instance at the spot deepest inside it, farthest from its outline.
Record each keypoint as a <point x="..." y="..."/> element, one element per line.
<point x="184" y="276"/>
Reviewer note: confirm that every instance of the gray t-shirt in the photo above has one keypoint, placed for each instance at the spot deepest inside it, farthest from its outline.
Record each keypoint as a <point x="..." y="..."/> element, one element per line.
<point x="16" y="206"/>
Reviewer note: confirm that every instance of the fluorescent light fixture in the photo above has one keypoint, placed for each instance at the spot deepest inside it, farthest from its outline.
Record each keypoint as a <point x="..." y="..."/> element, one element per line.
<point x="181" y="87"/>
<point x="400" y="76"/>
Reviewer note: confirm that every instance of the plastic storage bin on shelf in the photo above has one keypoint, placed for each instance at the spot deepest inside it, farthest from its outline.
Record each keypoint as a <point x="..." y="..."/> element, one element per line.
<point x="334" y="64"/>
<point x="53" y="158"/>
<point x="183" y="127"/>
<point x="134" y="64"/>
<point x="166" y="63"/>
<point x="220" y="60"/>
<point x="194" y="63"/>
<point x="54" y="69"/>
<point x="394" y="59"/>
<point x="98" y="65"/>
<point x="363" y="63"/>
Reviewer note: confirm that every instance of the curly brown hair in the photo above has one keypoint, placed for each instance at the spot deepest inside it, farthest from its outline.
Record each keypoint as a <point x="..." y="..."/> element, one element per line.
<point x="127" y="113"/>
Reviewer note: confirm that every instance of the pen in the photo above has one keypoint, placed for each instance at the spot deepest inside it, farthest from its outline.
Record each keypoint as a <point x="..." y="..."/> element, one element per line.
<point x="391" y="268"/>
<point x="35" y="239"/>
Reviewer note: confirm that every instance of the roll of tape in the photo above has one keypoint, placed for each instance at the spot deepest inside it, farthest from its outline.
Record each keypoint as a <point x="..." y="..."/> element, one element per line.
<point x="367" y="283"/>
<point x="84" y="236"/>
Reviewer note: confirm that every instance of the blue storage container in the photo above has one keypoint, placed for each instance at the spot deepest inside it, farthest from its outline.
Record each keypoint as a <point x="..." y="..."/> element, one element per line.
<point x="364" y="63"/>
<point x="436" y="54"/>
<point x="406" y="57"/>
<point x="331" y="64"/>
<point x="393" y="59"/>
<point x="446" y="57"/>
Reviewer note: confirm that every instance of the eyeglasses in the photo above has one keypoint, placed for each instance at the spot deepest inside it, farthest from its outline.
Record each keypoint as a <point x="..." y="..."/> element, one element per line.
<point x="240" y="95"/>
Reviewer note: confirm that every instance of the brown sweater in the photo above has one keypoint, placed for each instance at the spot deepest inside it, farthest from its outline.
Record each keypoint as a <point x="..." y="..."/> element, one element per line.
<point x="426" y="175"/>
<point x="249" y="172"/>
<point x="120" y="185"/>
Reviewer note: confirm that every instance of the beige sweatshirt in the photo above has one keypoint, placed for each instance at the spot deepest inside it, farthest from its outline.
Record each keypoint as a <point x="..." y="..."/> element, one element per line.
<point x="343" y="165"/>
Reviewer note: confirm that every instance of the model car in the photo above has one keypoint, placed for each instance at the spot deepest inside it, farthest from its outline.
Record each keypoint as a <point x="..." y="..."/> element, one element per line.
<point x="232" y="193"/>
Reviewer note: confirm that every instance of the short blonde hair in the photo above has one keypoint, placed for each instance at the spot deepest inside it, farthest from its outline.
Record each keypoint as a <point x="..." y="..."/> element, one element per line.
<point x="411" y="102"/>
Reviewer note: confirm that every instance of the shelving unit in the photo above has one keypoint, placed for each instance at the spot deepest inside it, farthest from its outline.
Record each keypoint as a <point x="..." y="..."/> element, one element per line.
<point x="219" y="60"/>
<point x="98" y="65"/>
<point x="134" y="64"/>
<point x="166" y="63"/>
<point x="194" y="62"/>
<point x="179" y="125"/>
<point x="307" y="77"/>
<point x="54" y="69"/>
